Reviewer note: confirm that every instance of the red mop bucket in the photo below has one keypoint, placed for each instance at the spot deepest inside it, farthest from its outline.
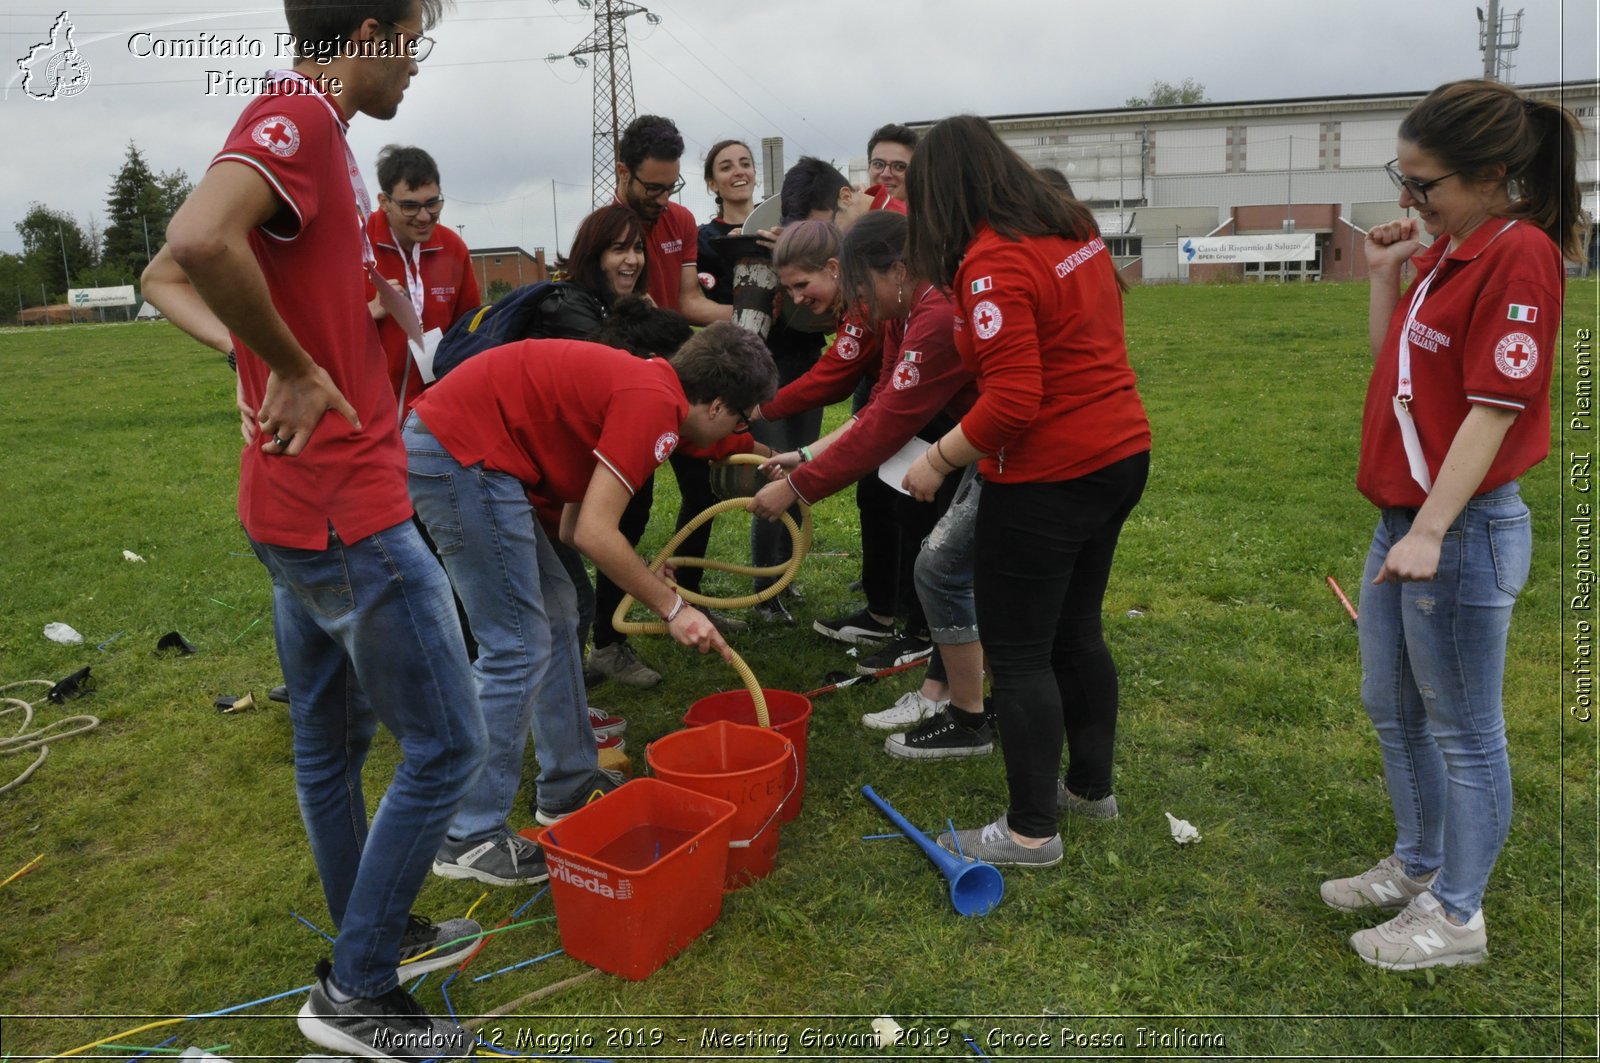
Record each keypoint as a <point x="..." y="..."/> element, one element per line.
<point x="748" y="766"/>
<point x="638" y="875"/>
<point x="790" y="714"/>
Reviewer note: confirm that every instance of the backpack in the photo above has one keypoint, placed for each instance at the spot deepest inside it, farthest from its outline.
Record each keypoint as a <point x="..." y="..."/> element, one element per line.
<point x="544" y="310"/>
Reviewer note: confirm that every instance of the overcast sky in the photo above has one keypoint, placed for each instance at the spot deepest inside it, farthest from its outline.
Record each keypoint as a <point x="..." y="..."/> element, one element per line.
<point x="512" y="131"/>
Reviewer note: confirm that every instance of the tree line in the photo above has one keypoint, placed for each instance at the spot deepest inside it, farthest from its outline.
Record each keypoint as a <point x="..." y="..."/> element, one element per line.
<point x="59" y="253"/>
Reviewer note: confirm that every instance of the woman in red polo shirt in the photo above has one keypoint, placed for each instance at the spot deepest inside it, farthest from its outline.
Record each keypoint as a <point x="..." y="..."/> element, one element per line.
<point x="1457" y="409"/>
<point x="1060" y="436"/>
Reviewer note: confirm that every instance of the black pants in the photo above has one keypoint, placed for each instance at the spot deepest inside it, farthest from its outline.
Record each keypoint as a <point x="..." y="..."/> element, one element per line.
<point x="1044" y="553"/>
<point x="893" y="527"/>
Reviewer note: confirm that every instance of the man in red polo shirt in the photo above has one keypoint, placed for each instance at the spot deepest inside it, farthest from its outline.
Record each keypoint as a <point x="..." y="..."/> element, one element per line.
<point x="889" y="151"/>
<point x="270" y="250"/>
<point x="426" y="261"/>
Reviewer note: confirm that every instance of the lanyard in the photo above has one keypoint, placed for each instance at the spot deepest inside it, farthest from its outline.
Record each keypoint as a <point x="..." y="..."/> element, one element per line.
<point x="412" y="264"/>
<point x="1403" y="392"/>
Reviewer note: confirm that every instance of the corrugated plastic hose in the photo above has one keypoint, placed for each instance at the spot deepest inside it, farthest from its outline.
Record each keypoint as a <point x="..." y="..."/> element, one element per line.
<point x="800" y="538"/>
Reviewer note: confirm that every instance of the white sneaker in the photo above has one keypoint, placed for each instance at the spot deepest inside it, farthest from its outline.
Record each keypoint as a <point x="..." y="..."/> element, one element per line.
<point x="910" y="710"/>
<point x="1423" y="936"/>
<point x="1385" y="885"/>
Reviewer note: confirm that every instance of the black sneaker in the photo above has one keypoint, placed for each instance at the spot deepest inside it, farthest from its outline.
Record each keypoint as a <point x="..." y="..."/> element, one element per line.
<point x="427" y="946"/>
<point x="392" y="1026"/>
<point x="940" y="736"/>
<point x="855" y="628"/>
<point x="600" y="783"/>
<point x="900" y="651"/>
<point x="991" y="717"/>
<point x="504" y="860"/>
<point x="773" y="611"/>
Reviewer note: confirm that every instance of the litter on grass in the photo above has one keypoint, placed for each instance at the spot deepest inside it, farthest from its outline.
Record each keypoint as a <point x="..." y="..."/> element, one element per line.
<point x="886" y="1031"/>
<point x="56" y="631"/>
<point x="129" y="555"/>
<point x="1183" y="832"/>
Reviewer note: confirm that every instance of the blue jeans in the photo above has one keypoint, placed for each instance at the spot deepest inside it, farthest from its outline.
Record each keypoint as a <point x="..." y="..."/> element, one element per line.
<point x="367" y="634"/>
<point x="1433" y="660"/>
<point x="523" y="608"/>
<point x="944" y="567"/>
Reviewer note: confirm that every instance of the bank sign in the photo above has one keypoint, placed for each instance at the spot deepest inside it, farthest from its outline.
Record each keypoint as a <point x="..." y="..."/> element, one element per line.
<point x="89" y="298"/>
<point x="1287" y="247"/>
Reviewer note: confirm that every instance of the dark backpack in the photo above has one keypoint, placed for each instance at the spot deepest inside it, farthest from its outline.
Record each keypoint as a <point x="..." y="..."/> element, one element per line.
<point x="546" y="310"/>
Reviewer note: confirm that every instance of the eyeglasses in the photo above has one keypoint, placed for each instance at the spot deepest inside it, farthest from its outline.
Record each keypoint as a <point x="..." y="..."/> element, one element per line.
<point x="743" y="423"/>
<point x="417" y="46"/>
<point x="410" y="207"/>
<point x="880" y="165"/>
<point x="652" y="190"/>
<point x="1418" y="190"/>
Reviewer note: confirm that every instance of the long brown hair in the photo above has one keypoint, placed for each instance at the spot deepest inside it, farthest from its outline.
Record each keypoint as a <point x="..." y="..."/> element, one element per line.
<point x="962" y="175"/>
<point x="1471" y="126"/>
<point x="873" y="245"/>
<point x="609" y="225"/>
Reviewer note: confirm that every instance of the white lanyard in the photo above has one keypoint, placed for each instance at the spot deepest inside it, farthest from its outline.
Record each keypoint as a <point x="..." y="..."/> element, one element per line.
<point x="1403" y="392"/>
<point x="412" y="264"/>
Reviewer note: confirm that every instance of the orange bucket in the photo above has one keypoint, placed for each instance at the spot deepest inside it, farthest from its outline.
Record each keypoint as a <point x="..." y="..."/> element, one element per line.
<point x="746" y="766"/>
<point x="637" y="875"/>
<point x="790" y="714"/>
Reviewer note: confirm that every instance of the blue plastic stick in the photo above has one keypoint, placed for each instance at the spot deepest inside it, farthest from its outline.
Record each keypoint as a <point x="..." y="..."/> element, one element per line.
<point x="525" y="907"/>
<point x="954" y="837"/>
<point x="514" y="966"/>
<point x="310" y="924"/>
<point x="147" y="1051"/>
<point x="974" y="1046"/>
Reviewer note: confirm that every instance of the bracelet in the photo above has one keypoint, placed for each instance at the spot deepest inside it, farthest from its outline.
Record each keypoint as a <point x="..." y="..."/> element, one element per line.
<point x="677" y="607"/>
<point x="938" y="444"/>
<point x="805" y="454"/>
<point x="233" y="360"/>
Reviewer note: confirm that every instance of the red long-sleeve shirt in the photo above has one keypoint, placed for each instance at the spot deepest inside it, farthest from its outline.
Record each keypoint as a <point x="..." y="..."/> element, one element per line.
<point x="855" y="352"/>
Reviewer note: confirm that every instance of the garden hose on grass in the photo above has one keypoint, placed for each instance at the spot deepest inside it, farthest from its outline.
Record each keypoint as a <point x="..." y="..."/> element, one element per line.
<point x="800" y="539"/>
<point x="40" y="739"/>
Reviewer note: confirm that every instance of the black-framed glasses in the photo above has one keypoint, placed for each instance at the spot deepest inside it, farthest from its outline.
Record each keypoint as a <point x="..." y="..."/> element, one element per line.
<point x="652" y="189"/>
<point x="417" y="46"/>
<point x="880" y="165"/>
<point x="1418" y="190"/>
<point x="743" y="423"/>
<point x="410" y="207"/>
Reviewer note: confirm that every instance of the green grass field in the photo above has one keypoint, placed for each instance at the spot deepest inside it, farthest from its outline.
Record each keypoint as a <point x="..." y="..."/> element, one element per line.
<point x="173" y="852"/>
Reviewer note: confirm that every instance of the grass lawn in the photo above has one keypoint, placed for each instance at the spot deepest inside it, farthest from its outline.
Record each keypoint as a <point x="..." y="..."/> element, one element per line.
<point x="173" y="852"/>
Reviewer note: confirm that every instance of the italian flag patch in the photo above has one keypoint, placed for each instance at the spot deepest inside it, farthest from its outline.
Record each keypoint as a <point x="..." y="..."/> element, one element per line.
<point x="1518" y="312"/>
<point x="982" y="284"/>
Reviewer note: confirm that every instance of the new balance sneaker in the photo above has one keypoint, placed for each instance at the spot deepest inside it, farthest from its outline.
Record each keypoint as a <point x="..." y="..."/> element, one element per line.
<point x="392" y="1026"/>
<point x="858" y="627"/>
<point x="911" y="709"/>
<point x="900" y="651"/>
<point x="992" y="844"/>
<point x="1073" y="805"/>
<point x="1422" y="936"/>
<point x="599" y="783"/>
<point x="941" y="736"/>
<point x="504" y="860"/>
<point x="427" y="946"/>
<point x="605" y="724"/>
<point x="619" y="662"/>
<point x="1385" y="885"/>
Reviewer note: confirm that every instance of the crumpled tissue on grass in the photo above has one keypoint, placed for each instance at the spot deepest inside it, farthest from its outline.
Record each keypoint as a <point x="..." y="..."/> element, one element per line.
<point x="1183" y="832"/>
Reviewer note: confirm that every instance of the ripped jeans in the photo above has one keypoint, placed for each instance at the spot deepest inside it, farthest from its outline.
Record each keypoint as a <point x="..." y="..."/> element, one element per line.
<point x="944" y="567"/>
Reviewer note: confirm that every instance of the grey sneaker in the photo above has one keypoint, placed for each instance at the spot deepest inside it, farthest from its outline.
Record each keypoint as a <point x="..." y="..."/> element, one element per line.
<point x="504" y="860"/>
<point x="727" y="623"/>
<point x="1422" y="936"/>
<point x="1072" y="804"/>
<point x="427" y="946"/>
<point x="392" y="1026"/>
<point x="941" y="736"/>
<point x="601" y="782"/>
<point x="618" y="661"/>
<point x="911" y="709"/>
<point x="992" y="844"/>
<point x="1385" y="885"/>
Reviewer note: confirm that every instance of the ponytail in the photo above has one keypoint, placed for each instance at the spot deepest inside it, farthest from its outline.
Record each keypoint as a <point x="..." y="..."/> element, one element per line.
<point x="1550" y="197"/>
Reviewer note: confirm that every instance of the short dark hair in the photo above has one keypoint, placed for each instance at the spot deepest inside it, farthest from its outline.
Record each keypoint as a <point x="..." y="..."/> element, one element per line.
<point x="613" y="223"/>
<point x="637" y="326"/>
<point x="649" y="136"/>
<point x="895" y="134"/>
<point x="724" y="361"/>
<point x="809" y="185"/>
<point x="321" y="27"/>
<point x="397" y="163"/>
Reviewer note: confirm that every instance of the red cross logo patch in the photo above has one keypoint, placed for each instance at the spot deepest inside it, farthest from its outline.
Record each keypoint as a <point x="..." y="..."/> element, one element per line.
<point x="986" y="319"/>
<point x="665" y="445"/>
<point x="847" y="348"/>
<point x="1516" y="355"/>
<point x="906" y="375"/>
<point x="278" y="135"/>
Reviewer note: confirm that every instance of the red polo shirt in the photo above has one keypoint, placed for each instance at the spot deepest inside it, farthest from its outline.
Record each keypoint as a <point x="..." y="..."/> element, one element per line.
<point x="1040" y="323"/>
<point x="671" y="243"/>
<point x="311" y="255"/>
<point x="449" y="290"/>
<point x="1487" y="333"/>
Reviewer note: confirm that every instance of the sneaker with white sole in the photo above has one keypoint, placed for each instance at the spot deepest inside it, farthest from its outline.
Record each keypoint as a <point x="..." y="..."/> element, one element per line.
<point x="1384" y="885"/>
<point x="605" y="724"/>
<point x="601" y="782"/>
<point x="909" y="710"/>
<point x="620" y="663"/>
<point x="428" y="946"/>
<point x="901" y="651"/>
<point x="1072" y="804"/>
<point x="392" y="1026"/>
<point x="504" y="860"/>
<point x="992" y="844"/>
<point x="858" y="627"/>
<point x="615" y="743"/>
<point x="941" y="736"/>
<point x="1422" y="936"/>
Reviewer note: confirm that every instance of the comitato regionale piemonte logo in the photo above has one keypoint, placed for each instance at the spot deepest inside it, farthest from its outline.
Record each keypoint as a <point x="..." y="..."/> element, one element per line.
<point x="54" y="69"/>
